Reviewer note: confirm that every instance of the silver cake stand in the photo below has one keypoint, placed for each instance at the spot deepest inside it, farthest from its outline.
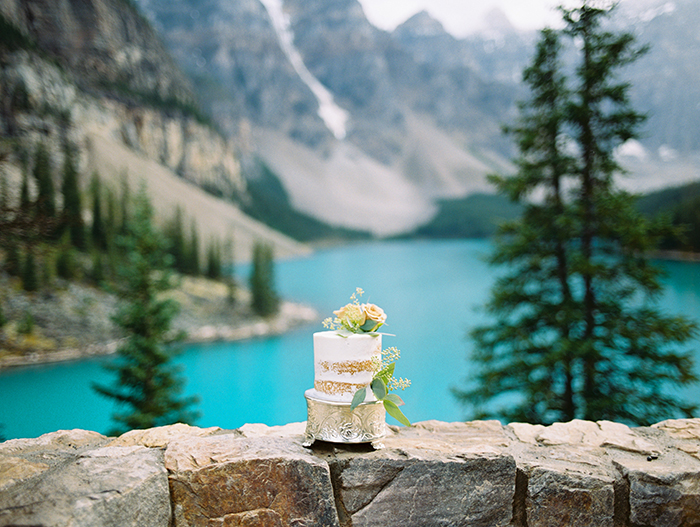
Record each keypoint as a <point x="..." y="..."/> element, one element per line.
<point x="336" y="423"/>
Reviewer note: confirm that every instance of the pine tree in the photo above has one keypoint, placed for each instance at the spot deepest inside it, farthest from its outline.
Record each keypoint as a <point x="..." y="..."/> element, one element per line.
<point x="66" y="264"/>
<point x="193" y="266"/>
<point x="72" y="215"/>
<point x="25" y="201"/>
<point x="124" y="208"/>
<point x="98" y="232"/>
<point x="30" y="280"/>
<point x="213" y="269"/>
<point x="147" y="384"/>
<point x="177" y="246"/>
<point x="264" y="298"/>
<point x="577" y="331"/>
<point x="13" y="265"/>
<point x="229" y="271"/>
<point x="46" y="197"/>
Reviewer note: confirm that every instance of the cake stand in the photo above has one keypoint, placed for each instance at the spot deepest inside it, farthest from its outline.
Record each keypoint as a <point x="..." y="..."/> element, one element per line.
<point x="336" y="423"/>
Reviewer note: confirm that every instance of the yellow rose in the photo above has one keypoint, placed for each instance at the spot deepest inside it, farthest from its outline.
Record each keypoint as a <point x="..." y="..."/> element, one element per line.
<point x="374" y="315"/>
<point x="351" y="316"/>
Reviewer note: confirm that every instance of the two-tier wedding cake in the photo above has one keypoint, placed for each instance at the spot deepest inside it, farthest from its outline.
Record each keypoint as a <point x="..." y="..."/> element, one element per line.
<point x="352" y="377"/>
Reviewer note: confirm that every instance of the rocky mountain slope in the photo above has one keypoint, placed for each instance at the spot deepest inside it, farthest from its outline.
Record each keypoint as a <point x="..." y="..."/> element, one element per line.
<point x="93" y="76"/>
<point x="374" y="151"/>
<point x="369" y="129"/>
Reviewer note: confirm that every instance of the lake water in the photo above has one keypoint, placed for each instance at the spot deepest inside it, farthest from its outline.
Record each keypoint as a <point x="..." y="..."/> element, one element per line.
<point x="430" y="290"/>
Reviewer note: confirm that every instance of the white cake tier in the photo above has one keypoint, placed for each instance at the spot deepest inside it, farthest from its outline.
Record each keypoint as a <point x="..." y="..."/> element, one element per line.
<point x="344" y="364"/>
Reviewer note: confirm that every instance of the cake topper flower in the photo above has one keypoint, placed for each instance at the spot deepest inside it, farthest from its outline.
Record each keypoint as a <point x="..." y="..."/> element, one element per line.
<point x="368" y="318"/>
<point x="357" y="318"/>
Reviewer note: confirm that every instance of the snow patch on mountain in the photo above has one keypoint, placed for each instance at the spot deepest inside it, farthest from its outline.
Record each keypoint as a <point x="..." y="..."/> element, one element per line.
<point x="334" y="117"/>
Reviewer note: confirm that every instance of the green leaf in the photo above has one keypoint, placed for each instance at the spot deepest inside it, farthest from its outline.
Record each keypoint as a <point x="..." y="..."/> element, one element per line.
<point x="398" y="401"/>
<point x="379" y="388"/>
<point x="387" y="373"/>
<point x="394" y="412"/>
<point x="358" y="398"/>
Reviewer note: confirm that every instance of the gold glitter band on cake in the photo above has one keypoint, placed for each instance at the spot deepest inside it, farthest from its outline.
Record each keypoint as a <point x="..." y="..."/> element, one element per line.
<point x="337" y="387"/>
<point x="348" y="366"/>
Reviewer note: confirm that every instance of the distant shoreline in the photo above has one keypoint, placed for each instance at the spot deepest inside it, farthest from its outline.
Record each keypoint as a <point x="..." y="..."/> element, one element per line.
<point x="290" y="316"/>
<point x="676" y="256"/>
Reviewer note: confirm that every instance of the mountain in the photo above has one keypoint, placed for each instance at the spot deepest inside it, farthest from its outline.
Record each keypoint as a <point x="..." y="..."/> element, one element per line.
<point x="372" y="130"/>
<point x="93" y="76"/>
<point x="352" y="126"/>
<point x="361" y="130"/>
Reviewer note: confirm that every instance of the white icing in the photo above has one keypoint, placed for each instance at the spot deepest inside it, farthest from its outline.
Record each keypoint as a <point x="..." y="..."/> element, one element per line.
<point x="336" y="359"/>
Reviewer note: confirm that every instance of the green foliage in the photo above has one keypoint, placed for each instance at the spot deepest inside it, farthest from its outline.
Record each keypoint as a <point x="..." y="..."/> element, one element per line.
<point x="19" y="100"/>
<point x="13" y="261"/>
<point x="475" y="216"/>
<point x="148" y="387"/>
<point x="681" y="205"/>
<point x="686" y="215"/>
<point x="228" y="270"/>
<point x="26" y="324"/>
<point x="577" y="333"/>
<point x="72" y="214"/>
<point x="46" y="198"/>
<point x="176" y="237"/>
<point x="265" y="301"/>
<point x="98" y="231"/>
<point x="214" y="263"/>
<point x="380" y="389"/>
<point x="269" y="203"/>
<point x="66" y="262"/>
<point x="192" y="265"/>
<point x="12" y="39"/>
<point x="30" y="280"/>
<point x="168" y="105"/>
<point x="25" y="201"/>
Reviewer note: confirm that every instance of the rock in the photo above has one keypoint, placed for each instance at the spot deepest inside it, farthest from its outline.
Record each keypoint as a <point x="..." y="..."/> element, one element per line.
<point x="472" y="490"/>
<point x="53" y="441"/>
<point x="433" y="473"/>
<point x="229" y="480"/>
<point x="568" y="487"/>
<point x="663" y="491"/>
<point x="14" y="469"/>
<point x="430" y="474"/>
<point x="162" y="435"/>
<point x="526" y="432"/>
<point x="588" y="433"/>
<point x="105" y="43"/>
<point x="108" y="486"/>
<point x="685" y="432"/>
<point x="292" y="430"/>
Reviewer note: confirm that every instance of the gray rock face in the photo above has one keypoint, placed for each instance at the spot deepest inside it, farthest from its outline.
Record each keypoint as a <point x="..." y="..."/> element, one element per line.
<point x="103" y="486"/>
<point x="472" y="474"/>
<point x="232" y="48"/>
<point x="104" y="42"/>
<point x="230" y="480"/>
<point x="419" y="489"/>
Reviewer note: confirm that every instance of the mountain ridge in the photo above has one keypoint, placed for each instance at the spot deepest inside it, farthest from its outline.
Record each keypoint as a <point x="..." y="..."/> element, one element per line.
<point x="143" y="107"/>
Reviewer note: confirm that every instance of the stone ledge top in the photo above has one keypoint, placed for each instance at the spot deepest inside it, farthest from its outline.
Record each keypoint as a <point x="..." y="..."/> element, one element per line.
<point x="516" y="475"/>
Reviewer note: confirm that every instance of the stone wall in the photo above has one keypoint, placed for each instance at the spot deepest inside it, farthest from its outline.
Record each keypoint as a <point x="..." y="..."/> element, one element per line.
<point x="431" y="474"/>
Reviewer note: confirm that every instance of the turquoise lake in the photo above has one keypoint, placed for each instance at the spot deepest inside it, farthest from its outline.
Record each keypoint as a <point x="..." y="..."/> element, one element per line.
<point x="430" y="290"/>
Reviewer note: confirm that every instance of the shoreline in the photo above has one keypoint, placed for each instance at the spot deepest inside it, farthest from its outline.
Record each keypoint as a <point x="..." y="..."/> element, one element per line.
<point x="291" y="316"/>
<point x="676" y="256"/>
